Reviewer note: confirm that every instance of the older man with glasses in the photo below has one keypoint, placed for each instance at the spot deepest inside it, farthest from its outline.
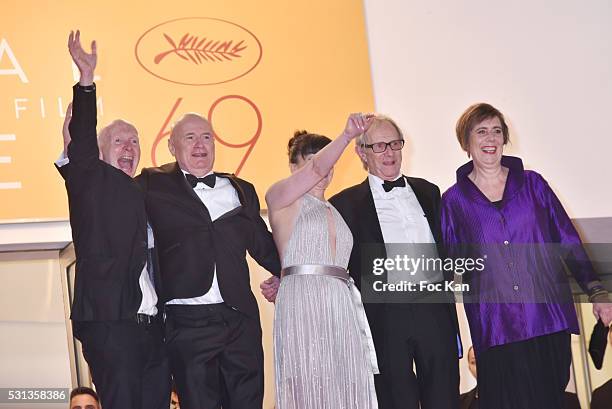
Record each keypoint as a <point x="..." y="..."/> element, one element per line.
<point x="388" y="207"/>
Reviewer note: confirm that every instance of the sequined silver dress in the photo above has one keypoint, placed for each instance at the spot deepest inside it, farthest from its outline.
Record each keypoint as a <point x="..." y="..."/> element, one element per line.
<point x="323" y="359"/>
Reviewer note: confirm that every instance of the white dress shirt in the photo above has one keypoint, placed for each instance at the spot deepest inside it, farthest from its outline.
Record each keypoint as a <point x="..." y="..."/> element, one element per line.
<point x="404" y="227"/>
<point x="218" y="200"/>
<point x="149" y="296"/>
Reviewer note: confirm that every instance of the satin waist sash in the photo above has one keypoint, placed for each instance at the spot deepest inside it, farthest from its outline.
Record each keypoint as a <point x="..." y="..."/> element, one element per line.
<point x="362" y="321"/>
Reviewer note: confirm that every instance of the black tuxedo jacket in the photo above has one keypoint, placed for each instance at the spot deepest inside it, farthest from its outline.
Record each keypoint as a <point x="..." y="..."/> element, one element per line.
<point x="190" y="244"/>
<point x="356" y="205"/>
<point x="602" y="396"/>
<point x="109" y="226"/>
<point x="466" y="399"/>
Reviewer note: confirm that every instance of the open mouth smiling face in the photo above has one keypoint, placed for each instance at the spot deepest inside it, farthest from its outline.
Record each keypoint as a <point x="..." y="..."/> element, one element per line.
<point x="486" y="142"/>
<point x="122" y="149"/>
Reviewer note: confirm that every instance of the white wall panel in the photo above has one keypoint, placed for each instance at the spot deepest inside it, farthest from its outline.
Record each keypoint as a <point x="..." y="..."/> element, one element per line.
<point x="546" y="64"/>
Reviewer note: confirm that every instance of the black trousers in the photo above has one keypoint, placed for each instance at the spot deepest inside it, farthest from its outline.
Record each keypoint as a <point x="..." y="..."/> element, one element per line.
<point x="216" y="357"/>
<point x="530" y="374"/>
<point x="423" y="335"/>
<point x="128" y="363"/>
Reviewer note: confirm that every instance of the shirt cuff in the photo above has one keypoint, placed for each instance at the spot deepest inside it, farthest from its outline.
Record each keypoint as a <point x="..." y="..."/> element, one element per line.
<point x="598" y="293"/>
<point x="62" y="160"/>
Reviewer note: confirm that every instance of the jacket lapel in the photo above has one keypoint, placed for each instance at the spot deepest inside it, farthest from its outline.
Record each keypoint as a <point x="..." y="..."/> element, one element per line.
<point x="186" y="195"/>
<point x="425" y="203"/>
<point x="234" y="181"/>
<point x="368" y="213"/>
<point x="241" y="196"/>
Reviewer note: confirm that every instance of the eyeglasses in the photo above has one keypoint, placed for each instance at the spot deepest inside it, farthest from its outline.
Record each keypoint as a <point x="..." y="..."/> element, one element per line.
<point x="380" y="147"/>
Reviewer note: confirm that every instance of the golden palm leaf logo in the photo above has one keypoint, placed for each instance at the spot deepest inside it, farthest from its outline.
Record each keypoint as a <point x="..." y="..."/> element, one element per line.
<point x="198" y="51"/>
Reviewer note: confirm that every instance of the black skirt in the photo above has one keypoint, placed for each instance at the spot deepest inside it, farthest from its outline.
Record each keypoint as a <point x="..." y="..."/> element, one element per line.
<point x="530" y="374"/>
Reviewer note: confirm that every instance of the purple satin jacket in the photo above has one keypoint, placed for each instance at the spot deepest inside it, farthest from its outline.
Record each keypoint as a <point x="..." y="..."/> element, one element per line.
<point x="519" y="236"/>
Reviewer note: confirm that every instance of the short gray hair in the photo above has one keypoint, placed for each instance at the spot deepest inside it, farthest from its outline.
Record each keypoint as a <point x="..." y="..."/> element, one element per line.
<point x="360" y="141"/>
<point x="106" y="132"/>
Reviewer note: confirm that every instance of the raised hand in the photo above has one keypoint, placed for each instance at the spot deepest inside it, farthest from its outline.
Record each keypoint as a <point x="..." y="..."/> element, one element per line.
<point x="85" y="62"/>
<point x="356" y="124"/>
<point x="65" y="130"/>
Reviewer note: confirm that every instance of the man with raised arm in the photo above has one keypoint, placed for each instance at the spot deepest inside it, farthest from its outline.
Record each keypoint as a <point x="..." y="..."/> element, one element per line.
<point x="114" y="310"/>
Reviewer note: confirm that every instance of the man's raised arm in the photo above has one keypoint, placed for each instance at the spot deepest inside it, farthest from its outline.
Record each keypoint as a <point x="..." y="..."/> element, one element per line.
<point x="83" y="147"/>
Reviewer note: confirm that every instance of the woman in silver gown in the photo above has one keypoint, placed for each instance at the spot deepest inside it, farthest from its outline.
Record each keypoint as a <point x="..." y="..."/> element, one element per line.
<point x="323" y="350"/>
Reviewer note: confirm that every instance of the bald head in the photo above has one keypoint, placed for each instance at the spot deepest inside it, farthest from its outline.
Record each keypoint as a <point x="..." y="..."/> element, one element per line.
<point x="192" y="144"/>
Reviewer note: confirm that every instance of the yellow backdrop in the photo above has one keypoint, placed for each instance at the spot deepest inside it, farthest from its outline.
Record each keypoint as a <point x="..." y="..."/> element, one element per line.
<point x="259" y="70"/>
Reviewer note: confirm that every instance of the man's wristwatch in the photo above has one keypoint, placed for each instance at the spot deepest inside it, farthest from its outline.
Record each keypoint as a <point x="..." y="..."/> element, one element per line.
<point x="86" y="88"/>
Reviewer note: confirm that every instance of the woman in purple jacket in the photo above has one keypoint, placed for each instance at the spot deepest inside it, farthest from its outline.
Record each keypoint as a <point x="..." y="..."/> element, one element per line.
<point x="519" y="307"/>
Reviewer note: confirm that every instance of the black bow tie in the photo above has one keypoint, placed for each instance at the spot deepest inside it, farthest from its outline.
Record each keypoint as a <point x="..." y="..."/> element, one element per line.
<point x="388" y="186"/>
<point x="208" y="180"/>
